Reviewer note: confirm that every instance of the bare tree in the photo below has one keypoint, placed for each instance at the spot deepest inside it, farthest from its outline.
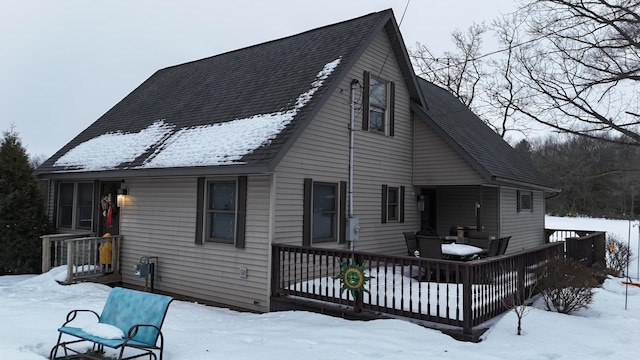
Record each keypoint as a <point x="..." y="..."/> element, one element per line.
<point x="36" y="160"/>
<point x="484" y="83"/>
<point x="581" y="65"/>
<point x="458" y="71"/>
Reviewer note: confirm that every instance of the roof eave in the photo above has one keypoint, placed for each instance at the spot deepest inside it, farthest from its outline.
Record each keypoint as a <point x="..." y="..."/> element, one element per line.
<point x="524" y="185"/>
<point x="159" y="172"/>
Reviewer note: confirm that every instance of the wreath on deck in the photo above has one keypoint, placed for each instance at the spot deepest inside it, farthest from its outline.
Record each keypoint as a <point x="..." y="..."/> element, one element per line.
<point x="352" y="277"/>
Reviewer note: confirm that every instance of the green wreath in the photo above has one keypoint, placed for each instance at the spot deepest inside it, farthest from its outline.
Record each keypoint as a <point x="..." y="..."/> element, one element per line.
<point x="352" y="277"/>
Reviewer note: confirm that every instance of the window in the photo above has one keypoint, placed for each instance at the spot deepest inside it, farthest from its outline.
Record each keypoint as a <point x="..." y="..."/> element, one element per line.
<point x="221" y="211"/>
<point x="392" y="204"/>
<point x="324" y="208"/>
<point x="324" y="212"/>
<point x="378" y="105"/>
<point x="75" y="206"/>
<point x="525" y="201"/>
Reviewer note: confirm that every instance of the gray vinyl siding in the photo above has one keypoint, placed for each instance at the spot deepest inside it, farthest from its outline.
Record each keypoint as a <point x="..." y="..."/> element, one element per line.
<point x="526" y="228"/>
<point x="437" y="163"/>
<point x="322" y="153"/>
<point x="159" y="219"/>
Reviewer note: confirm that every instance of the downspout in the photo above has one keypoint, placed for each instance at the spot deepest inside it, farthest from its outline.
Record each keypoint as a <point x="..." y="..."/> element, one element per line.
<point x="352" y="123"/>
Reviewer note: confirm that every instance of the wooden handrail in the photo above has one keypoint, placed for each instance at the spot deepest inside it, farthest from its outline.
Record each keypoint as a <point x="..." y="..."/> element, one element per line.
<point x="84" y="256"/>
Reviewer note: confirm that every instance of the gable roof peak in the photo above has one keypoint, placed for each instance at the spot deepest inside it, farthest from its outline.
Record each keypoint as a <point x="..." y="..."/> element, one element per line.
<point x="274" y="77"/>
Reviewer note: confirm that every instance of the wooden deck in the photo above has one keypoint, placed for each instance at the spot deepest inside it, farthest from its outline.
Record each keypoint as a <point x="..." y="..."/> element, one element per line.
<point x="454" y="296"/>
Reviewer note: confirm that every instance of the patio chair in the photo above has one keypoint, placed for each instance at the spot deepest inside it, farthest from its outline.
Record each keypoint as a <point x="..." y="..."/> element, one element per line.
<point x="429" y="246"/>
<point x="412" y="243"/>
<point x="504" y="242"/>
<point x="479" y="239"/>
<point x="494" y="248"/>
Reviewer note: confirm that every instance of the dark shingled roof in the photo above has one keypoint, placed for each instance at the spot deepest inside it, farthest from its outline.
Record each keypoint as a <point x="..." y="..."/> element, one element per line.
<point x="260" y="79"/>
<point x="485" y="150"/>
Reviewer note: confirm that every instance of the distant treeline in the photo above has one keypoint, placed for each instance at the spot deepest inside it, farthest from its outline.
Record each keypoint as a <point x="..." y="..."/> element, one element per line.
<point x="599" y="178"/>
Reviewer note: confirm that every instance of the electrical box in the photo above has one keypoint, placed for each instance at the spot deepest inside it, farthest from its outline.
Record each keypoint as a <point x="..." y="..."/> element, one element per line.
<point x="352" y="229"/>
<point x="141" y="270"/>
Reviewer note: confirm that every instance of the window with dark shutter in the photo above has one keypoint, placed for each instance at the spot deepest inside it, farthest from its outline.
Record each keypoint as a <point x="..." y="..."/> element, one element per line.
<point x="392" y="108"/>
<point x="307" y="212"/>
<point x="241" y="215"/>
<point x="378" y="105"/>
<point x="343" y="213"/>
<point x="383" y="217"/>
<point x="365" y="100"/>
<point x="401" y="204"/>
<point x="200" y="210"/>
<point x="221" y="211"/>
<point x="392" y="204"/>
<point x="320" y="212"/>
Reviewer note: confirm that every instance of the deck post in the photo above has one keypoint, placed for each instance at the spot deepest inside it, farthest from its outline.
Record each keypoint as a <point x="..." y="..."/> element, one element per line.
<point x="71" y="254"/>
<point x="467" y="310"/>
<point x="46" y="253"/>
<point x="275" y="270"/>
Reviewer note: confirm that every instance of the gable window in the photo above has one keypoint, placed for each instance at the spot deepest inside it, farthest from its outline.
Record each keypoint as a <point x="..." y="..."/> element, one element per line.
<point x="378" y="105"/>
<point x="75" y="206"/>
<point x="525" y="201"/>
<point x="392" y="204"/>
<point x="324" y="204"/>
<point x="223" y="214"/>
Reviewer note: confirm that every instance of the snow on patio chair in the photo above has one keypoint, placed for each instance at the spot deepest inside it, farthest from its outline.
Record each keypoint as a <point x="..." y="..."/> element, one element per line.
<point x="129" y="319"/>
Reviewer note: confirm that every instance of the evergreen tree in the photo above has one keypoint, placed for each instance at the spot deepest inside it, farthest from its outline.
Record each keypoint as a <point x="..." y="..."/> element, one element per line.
<point x="22" y="214"/>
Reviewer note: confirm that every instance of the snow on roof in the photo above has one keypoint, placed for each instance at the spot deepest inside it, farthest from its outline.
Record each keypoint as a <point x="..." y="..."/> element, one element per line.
<point x="109" y="150"/>
<point x="206" y="145"/>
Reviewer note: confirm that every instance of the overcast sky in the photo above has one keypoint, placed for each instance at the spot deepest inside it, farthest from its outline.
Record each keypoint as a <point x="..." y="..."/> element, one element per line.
<point x="65" y="63"/>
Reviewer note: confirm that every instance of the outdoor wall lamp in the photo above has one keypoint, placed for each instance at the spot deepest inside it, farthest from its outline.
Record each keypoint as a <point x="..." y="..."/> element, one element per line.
<point x="421" y="202"/>
<point x="121" y="196"/>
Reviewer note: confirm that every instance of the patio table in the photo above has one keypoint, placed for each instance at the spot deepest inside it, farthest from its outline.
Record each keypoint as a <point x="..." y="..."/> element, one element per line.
<point x="460" y="251"/>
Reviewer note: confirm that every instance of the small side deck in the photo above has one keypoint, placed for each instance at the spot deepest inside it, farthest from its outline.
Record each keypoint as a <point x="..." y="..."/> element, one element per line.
<point x="88" y="258"/>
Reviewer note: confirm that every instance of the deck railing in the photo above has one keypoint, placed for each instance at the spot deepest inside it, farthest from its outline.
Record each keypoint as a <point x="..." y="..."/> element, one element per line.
<point x="461" y="294"/>
<point x="84" y="256"/>
<point x="586" y="246"/>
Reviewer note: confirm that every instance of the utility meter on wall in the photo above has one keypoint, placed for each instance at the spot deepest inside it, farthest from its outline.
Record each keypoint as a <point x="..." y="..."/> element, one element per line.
<point x="353" y="229"/>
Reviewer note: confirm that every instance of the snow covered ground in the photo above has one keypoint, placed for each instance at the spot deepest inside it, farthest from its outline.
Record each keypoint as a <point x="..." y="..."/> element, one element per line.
<point x="33" y="307"/>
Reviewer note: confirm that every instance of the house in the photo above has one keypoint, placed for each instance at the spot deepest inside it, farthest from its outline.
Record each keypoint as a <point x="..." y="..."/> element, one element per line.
<point x="325" y="139"/>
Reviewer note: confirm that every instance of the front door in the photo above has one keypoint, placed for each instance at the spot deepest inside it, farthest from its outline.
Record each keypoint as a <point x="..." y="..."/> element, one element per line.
<point x="108" y="211"/>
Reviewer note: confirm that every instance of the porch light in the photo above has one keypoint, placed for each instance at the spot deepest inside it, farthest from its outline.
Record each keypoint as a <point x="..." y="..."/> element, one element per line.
<point x="122" y="194"/>
<point x="420" y="202"/>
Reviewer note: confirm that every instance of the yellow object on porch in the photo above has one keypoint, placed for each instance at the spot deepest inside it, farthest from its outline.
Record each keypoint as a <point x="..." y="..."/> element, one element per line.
<point x="106" y="256"/>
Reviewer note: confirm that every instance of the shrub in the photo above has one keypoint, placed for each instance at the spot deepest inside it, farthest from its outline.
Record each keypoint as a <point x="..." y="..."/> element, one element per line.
<point x="618" y="254"/>
<point x="565" y="285"/>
